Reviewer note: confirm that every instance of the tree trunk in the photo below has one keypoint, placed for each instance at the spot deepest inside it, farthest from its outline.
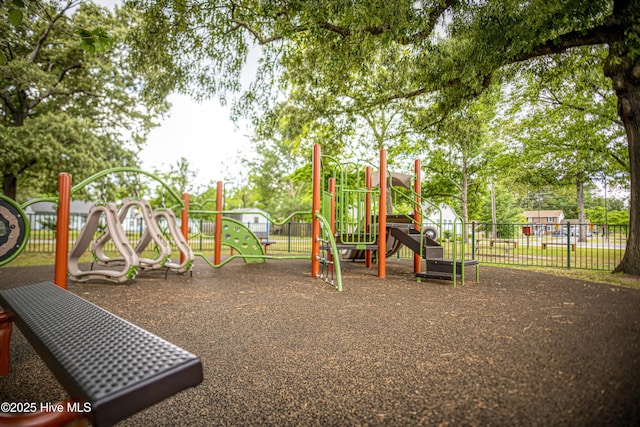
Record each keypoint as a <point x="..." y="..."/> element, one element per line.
<point x="624" y="71"/>
<point x="389" y="198"/>
<point x="9" y="185"/>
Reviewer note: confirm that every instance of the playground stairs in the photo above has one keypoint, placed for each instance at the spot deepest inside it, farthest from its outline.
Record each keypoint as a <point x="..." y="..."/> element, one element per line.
<point x="411" y="239"/>
<point x="437" y="267"/>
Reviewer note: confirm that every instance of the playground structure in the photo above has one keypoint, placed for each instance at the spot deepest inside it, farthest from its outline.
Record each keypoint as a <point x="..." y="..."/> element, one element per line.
<point x="131" y="260"/>
<point x="351" y="216"/>
<point x="110" y="367"/>
<point x="104" y="226"/>
<point x="14" y="230"/>
<point x="364" y="224"/>
<point x="251" y="249"/>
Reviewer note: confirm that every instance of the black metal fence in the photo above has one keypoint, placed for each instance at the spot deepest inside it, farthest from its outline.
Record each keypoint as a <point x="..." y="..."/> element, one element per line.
<point x="289" y="238"/>
<point x="581" y="246"/>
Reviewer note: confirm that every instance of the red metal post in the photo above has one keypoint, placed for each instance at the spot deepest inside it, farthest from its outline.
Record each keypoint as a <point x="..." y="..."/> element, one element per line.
<point x="315" y="210"/>
<point x="63" y="415"/>
<point x="218" y="246"/>
<point x="367" y="220"/>
<point x="62" y="229"/>
<point x="417" y="212"/>
<point x="5" y="342"/>
<point x="184" y="226"/>
<point x="382" y="217"/>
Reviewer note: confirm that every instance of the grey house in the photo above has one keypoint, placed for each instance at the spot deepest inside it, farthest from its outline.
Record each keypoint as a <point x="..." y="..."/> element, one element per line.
<point x="43" y="215"/>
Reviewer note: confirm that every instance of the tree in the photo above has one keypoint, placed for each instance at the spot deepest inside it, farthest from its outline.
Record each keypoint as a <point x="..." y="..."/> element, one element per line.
<point x="180" y="175"/>
<point x="503" y="213"/>
<point x="458" y="161"/>
<point x="598" y="215"/>
<point x="61" y="107"/>
<point x="566" y="124"/>
<point x="507" y="209"/>
<point x="450" y="50"/>
<point x="460" y="155"/>
<point x="279" y="179"/>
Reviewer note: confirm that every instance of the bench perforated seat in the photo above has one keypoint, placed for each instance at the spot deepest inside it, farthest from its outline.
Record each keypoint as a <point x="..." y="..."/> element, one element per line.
<point x="98" y="357"/>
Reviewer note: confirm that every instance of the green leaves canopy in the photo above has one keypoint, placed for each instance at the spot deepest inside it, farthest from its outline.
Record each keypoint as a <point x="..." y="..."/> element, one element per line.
<point x="444" y="50"/>
<point x="62" y="109"/>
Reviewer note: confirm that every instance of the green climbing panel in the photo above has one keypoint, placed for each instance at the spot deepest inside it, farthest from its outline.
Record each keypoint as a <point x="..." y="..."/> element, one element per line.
<point x="242" y="240"/>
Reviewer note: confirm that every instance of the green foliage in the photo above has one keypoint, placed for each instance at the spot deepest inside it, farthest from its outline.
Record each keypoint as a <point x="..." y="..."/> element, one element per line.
<point x="48" y="223"/>
<point x="13" y="9"/>
<point x="62" y="108"/>
<point x="179" y="176"/>
<point x="96" y="40"/>
<point x="460" y="158"/>
<point x="335" y="57"/>
<point x="599" y="215"/>
<point x="566" y="128"/>
<point x="279" y="180"/>
<point x="507" y="208"/>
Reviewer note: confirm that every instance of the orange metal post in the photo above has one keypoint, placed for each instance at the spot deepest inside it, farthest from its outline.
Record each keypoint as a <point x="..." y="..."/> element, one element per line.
<point x="62" y="229"/>
<point x="382" y="217"/>
<point x="367" y="221"/>
<point x="332" y="220"/>
<point x="332" y="190"/>
<point x="315" y="210"/>
<point x="184" y="226"/>
<point x="417" y="212"/>
<point x="218" y="246"/>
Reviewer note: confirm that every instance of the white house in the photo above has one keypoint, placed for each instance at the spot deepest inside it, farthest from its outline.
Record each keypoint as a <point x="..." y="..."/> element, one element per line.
<point x="255" y="219"/>
<point x="443" y="213"/>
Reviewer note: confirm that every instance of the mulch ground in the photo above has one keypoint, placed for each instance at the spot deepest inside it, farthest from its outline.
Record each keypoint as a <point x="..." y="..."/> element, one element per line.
<point x="280" y="348"/>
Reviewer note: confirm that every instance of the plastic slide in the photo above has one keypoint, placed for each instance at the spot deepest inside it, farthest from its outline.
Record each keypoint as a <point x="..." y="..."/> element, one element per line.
<point x="393" y="246"/>
<point x="151" y="233"/>
<point x="127" y="269"/>
<point x="167" y="217"/>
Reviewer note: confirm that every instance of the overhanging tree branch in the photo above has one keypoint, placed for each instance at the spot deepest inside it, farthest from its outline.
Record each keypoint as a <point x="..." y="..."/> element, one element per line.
<point x="555" y="100"/>
<point x="602" y="34"/>
<point x="45" y="34"/>
<point x="613" y="29"/>
<point x="432" y="19"/>
<point x="52" y="90"/>
<point x="6" y="99"/>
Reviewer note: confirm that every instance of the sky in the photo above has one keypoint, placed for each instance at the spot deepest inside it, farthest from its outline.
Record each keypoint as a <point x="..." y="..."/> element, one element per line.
<point x="201" y="132"/>
<point x="204" y="134"/>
